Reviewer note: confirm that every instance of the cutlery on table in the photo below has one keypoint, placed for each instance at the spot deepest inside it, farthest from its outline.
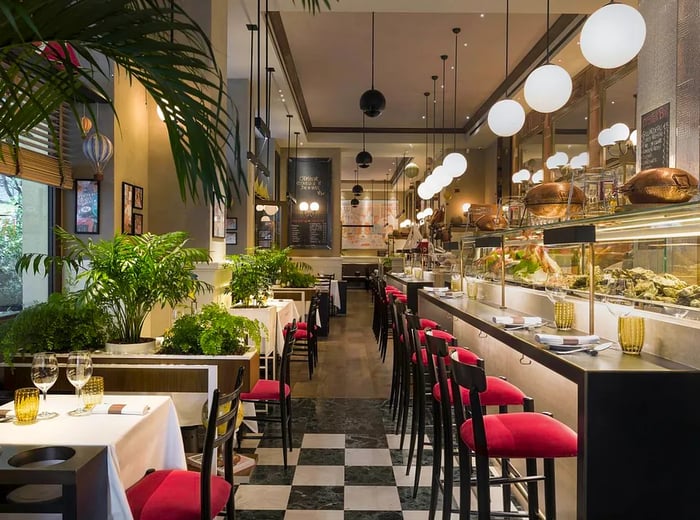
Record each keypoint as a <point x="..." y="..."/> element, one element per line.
<point x="591" y="351"/>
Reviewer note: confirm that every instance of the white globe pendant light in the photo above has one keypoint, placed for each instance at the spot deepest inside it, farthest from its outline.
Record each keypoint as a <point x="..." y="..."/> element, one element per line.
<point x="425" y="192"/>
<point x="506" y="118"/>
<point x="548" y="88"/>
<point x="455" y="163"/>
<point x="442" y="176"/>
<point x="613" y="35"/>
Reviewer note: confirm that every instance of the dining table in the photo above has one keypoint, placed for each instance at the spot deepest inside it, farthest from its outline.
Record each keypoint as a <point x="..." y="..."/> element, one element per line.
<point x="148" y="438"/>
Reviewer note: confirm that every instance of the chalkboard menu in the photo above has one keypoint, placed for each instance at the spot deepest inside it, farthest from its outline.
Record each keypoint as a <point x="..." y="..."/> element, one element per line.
<point x="654" y="145"/>
<point x="309" y="180"/>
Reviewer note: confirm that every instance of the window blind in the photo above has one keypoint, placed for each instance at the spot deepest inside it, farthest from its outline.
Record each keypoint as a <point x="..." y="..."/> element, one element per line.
<point x="39" y="159"/>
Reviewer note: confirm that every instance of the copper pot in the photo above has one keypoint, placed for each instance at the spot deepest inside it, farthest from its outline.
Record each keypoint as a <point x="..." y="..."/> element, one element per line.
<point x="550" y="199"/>
<point x="491" y="222"/>
<point x="660" y="185"/>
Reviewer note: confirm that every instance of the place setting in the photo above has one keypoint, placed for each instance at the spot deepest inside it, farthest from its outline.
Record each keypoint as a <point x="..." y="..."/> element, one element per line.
<point x="512" y="323"/>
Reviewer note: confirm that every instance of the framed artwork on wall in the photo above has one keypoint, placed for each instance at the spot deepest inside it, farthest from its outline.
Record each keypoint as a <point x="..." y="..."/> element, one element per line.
<point x="138" y="197"/>
<point x="87" y="206"/>
<point x="218" y="228"/>
<point x="138" y="224"/>
<point x="232" y="224"/>
<point x="232" y="238"/>
<point x="127" y="208"/>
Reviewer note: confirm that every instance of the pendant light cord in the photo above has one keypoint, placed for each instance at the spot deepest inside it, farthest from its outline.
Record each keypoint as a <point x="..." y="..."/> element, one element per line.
<point x="427" y="95"/>
<point x="547" y="31"/>
<point x="372" y="50"/>
<point x="444" y="62"/>
<point x="456" y="30"/>
<point x="296" y="162"/>
<point x="363" y="131"/>
<point x="507" y="46"/>
<point x="434" y="113"/>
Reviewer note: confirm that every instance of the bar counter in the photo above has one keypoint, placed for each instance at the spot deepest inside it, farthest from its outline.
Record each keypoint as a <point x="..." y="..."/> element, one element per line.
<point x="409" y="286"/>
<point x="638" y="426"/>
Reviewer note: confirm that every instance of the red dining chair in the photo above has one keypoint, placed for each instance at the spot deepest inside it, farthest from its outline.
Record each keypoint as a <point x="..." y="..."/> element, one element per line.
<point x="276" y="394"/>
<point x="194" y="495"/>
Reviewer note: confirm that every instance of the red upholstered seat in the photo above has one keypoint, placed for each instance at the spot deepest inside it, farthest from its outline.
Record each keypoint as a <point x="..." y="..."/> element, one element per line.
<point x="391" y="289"/>
<point x="523" y="435"/>
<point x="498" y="393"/>
<point x="424" y="355"/>
<point x="300" y="325"/>
<point x="303" y="334"/>
<point x="428" y="324"/>
<point x="402" y="298"/>
<point x="174" y="494"/>
<point x="438" y="334"/>
<point x="266" y="390"/>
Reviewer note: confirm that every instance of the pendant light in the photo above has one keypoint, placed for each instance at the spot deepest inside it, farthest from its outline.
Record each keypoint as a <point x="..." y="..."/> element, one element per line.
<point x="424" y="192"/>
<point x="357" y="188"/>
<point x="548" y="87"/>
<point x="507" y="116"/>
<point x="455" y="162"/>
<point x="441" y="174"/>
<point x="613" y="35"/>
<point x="364" y="158"/>
<point x="372" y="102"/>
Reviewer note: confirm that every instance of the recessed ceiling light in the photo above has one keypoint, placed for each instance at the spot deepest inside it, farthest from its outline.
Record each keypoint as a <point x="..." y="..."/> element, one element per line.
<point x="280" y="91"/>
<point x="481" y="15"/>
<point x="452" y="67"/>
<point x="467" y="117"/>
<point x="422" y="117"/>
<point x="612" y="102"/>
<point x="585" y="118"/>
<point x="465" y="44"/>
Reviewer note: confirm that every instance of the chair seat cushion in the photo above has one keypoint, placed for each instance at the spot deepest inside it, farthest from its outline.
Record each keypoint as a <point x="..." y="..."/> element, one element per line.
<point x="401" y="298"/>
<point x="498" y="393"/>
<point x="303" y="334"/>
<point x="424" y="356"/>
<point x="266" y="390"/>
<point x="438" y="334"/>
<point x="523" y="435"/>
<point x="174" y="494"/>
<point x="428" y="324"/>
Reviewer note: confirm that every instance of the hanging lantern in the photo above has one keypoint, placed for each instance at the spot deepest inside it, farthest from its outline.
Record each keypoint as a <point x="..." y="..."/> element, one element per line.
<point x="98" y="149"/>
<point x="411" y="170"/>
<point x="85" y="125"/>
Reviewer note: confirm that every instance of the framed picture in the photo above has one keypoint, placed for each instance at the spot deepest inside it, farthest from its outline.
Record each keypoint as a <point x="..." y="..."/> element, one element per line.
<point x="232" y="224"/>
<point x="127" y="208"/>
<point x="232" y="238"/>
<point x="87" y="206"/>
<point x="138" y="197"/>
<point x="138" y="224"/>
<point x="218" y="228"/>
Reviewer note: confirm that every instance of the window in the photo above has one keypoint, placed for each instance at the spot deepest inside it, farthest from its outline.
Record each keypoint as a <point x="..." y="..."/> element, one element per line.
<point x="25" y="223"/>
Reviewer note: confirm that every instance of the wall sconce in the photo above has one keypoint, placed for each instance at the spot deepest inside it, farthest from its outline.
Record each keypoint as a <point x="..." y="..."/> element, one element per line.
<point x="314" y="206"/>
<point x="306" y="207"/>
<point x="617" y="140"/>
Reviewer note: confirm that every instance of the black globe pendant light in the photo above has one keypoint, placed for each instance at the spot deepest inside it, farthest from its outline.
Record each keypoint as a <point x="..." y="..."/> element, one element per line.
<point x="357" y="189"/>
<point x="372" y="102"/>
<point x="364" y="158"/>
<point x="354" y="203"/>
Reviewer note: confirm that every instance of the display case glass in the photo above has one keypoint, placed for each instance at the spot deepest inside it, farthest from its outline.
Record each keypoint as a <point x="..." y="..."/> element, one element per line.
<point x="654" y="253"/>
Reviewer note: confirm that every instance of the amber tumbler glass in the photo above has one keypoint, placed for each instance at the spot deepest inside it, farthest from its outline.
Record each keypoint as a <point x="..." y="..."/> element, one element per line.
<point x="564" y="315"/>
<point x="93" y="392"/>
<point x="630" y="334"/>
<point x="26" y="405"/>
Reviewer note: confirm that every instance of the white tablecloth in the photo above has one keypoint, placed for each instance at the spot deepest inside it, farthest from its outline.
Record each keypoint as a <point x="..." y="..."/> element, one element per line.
<point x="135" y="442"/>
<point x="286" y="312"/>
<point x="335" y="293"/>
<point x="275" y="316"/>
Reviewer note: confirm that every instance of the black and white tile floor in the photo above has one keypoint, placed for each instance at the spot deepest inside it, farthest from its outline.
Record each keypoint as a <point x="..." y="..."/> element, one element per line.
<point x="346" y="464"/>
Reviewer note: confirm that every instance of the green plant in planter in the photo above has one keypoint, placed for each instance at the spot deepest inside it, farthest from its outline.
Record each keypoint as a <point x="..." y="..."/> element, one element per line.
<point x="250" y="281"/>
<point x="296" y="274"/>
<point x="60" y="324"/>
<point x="128" y="275"/>
<point x="212" y="332"/>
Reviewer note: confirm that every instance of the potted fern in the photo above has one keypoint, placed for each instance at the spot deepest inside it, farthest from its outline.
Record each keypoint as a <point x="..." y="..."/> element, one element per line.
<point x="128" y="276"/>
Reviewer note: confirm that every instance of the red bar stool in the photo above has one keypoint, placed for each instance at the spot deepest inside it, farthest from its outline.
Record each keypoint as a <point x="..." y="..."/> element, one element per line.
<point x="525" y="435"/>
<point x="500" y="393"/>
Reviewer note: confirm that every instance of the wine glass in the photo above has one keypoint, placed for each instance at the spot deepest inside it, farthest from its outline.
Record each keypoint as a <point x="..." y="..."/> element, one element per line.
<point x="44" y="375"/>
<point x="556" y="287"/>
<point x="78" y="371"/>
<point x="619" y="294"/>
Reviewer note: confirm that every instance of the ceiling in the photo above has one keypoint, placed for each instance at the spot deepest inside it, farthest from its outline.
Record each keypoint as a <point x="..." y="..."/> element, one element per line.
<point x="326" y="66"/>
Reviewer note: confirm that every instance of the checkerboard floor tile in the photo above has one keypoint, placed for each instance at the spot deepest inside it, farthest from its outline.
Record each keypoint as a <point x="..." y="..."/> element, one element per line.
<point x="347" y="465"/>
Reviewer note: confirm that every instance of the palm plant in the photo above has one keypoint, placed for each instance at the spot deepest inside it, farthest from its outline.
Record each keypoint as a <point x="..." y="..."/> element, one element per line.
<point x="136" y="36"/>
<point x="128" y="275"/>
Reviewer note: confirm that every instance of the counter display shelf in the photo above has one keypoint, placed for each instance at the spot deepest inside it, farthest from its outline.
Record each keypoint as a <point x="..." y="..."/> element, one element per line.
<point x="650" y="257"/>
<point x="628" y="410"/>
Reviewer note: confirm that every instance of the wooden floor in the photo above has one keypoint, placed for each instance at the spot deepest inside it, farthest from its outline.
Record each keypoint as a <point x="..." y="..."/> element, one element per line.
<point x="349" y="364"/>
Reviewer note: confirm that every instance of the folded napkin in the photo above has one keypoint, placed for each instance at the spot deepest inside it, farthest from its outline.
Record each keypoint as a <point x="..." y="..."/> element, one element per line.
<point x="553" y="339"/>
<point x="517" y="320"/>
<point x="7" y="414"/>
<point x="121" y="409"/>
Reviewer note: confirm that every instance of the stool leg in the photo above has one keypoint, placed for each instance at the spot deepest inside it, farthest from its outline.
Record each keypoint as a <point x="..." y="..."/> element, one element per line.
<point x="550" y="495"/>
<point x="414" y="422"/>
<point x="448" y="471"/>
<point x="437" y="454"/>
<point x="283" y="426"/>
<point x="532" y="498"/>
<point x="465" y="482"/>
<point x="420" y="441"/>
<point x="483" y="496"/>
<point x="505" y="473"/>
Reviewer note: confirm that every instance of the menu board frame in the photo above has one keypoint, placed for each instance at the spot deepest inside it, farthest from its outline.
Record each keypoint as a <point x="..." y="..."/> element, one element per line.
<point x="311" y="180"/>
<point x="655" y="138"/>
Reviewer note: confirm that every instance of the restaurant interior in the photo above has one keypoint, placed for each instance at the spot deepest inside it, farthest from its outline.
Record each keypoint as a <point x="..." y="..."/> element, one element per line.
<point x="349" y="259"/>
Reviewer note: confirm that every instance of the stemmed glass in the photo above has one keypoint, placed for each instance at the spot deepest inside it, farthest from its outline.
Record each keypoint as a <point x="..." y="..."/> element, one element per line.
<point x="555" y="287"/>
<point x="78" y="371"/>
<point x="617" y="300"/>
<point x="44" y="375"/>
